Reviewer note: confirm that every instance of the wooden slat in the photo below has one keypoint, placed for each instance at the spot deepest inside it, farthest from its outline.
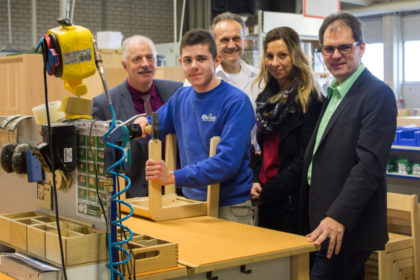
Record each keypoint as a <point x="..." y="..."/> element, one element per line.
<point x="213" y="190"/>
<point x="171" y="145"/>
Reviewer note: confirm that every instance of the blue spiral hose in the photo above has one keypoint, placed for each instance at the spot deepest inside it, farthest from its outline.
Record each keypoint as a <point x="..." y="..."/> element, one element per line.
<point x="116" y="245"/>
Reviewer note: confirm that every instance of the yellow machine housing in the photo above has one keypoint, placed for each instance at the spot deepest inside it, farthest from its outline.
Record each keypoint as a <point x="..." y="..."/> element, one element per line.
<point x="77" y="56"/>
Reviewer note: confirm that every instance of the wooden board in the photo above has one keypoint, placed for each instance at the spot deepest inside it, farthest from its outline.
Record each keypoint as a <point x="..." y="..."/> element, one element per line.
<point x="21" y="77"/>
<point x="160" y="274"/>
<point x="207" y="243"/>
<point x="5" y="277"/>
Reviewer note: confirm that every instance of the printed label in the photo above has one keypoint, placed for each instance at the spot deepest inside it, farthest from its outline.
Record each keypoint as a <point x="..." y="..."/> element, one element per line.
<point x="77" y="56"/>
<point x="68" y="155"/>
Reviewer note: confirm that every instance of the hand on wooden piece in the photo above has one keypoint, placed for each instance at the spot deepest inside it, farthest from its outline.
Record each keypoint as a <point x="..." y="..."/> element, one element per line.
<point x="328" y="228"/>
<point x="157" y="171"/>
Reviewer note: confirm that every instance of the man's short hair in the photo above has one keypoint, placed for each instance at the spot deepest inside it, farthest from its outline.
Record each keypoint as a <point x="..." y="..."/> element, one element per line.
<point x="348" y="19"/>
<point x="137" y="39"/>
<point x="199" y="37"/>
<point x="227" y="16"/>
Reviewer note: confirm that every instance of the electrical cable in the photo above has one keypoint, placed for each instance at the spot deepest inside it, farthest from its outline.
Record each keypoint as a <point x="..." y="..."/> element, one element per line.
<point x="53" y="169"/>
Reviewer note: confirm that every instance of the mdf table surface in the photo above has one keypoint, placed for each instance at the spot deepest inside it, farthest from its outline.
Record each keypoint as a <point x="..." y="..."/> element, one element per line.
<point x="207" y="243"/>
<point x="5" y="277"/>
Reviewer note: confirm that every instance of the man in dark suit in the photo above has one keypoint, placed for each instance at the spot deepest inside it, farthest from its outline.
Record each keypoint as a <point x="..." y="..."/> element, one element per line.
<point x="344" y="193"/>
<point x="140" y="93"/>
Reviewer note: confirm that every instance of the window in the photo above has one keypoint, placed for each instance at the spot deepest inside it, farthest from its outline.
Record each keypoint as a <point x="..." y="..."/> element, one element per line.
<point x="411" y="61"/>
<point x="373" y="59"/>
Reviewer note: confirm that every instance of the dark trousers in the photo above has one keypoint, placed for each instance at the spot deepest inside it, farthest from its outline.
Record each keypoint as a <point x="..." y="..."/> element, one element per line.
<point x="344" y="266"/>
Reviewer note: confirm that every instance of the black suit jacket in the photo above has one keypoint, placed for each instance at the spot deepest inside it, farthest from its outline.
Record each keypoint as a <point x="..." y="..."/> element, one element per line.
<point x="124" y="109"/>
<point x="348" y="169"/>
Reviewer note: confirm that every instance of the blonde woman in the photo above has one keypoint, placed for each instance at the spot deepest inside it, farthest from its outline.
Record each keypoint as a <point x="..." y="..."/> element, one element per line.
<point x="287" y="111"/>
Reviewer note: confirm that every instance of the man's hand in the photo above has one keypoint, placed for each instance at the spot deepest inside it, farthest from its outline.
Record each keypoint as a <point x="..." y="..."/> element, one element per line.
<point x="328" y="228"/>
<point x="256" y="191"/>
<point x="143" y="122"/>
<point x="156" y="170"/>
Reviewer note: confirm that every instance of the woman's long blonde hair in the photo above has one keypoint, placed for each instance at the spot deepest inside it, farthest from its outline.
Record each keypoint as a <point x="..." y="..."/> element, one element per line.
<point x="301" y="74"/>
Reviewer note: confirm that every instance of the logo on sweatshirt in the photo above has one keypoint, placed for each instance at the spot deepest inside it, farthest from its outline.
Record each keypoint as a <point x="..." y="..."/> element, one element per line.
<point x="208" y="118"/>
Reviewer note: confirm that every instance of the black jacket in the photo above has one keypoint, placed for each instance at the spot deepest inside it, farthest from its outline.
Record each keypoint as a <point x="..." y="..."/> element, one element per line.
<point x="124" y="109"/>
<point x="280" y="194"/>
<point x="348" y="181"/>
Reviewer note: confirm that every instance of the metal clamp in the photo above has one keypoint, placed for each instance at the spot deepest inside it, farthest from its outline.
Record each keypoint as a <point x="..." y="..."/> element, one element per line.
<point x="245" y="270"/>
<point x="6" y="121"/>
<point x="12" y="128"/>
<point x="209" y="276"/>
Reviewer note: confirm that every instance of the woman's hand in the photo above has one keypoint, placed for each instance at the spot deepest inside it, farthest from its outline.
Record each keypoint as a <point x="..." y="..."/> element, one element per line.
<point x="256" y="191"/>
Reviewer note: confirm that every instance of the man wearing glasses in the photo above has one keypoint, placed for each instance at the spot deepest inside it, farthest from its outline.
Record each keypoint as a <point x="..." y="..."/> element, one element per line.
<point x="344" y="193"/>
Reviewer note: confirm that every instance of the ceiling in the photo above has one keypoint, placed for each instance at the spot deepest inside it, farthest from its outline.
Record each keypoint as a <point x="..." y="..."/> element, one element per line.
<point x="377" y="7"/>
<point x="351" y="4"/>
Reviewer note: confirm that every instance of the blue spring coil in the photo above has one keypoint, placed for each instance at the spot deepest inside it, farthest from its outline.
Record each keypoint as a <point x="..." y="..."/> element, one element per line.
<point x="112" y="266"/>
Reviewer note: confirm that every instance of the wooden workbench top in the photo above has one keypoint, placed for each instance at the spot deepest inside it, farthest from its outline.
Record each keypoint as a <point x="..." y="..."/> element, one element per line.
<point x="207" y="243"/>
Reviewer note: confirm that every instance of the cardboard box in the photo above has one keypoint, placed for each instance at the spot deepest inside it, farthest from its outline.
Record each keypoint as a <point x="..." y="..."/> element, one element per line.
<point x="109" y="39"/>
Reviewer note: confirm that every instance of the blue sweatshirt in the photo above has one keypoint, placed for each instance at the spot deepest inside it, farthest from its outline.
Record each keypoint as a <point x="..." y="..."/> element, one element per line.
<point x="194" y="117"/>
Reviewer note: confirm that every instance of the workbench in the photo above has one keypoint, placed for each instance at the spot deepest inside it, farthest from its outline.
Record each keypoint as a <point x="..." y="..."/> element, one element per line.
<point x="210" y="248"/>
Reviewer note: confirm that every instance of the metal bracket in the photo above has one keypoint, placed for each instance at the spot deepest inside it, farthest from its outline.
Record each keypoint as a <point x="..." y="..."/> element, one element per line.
<point x="209" y="276"/>
<point x="245" y="270"/>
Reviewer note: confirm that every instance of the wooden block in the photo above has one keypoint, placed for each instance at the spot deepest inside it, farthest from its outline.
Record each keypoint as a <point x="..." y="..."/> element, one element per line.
<point x="14" y="231"/>
<point x="36" y="239"/>
<point x="83" y="246"/>
<point x="171" y="145"/>
<point x="213" y="191"/>
<point x="299" y="267"/>
<point x="152" y="254"/>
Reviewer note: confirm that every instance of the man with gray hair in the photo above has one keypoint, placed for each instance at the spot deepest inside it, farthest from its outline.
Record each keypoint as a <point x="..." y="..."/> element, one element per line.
<point x="140" y="93"/>
<point x="229" y="33"/>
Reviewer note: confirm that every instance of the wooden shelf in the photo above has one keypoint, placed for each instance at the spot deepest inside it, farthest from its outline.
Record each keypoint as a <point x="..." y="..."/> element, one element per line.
<point x="405" y="148"/>
<point x="415" y="177"/>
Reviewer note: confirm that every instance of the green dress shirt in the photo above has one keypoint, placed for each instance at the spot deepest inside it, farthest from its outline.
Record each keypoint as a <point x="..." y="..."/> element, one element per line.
<point x="335" y="94"/>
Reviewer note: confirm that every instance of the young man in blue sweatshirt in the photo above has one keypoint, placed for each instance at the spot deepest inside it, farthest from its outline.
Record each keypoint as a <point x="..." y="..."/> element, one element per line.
<point x="210" y="107"/>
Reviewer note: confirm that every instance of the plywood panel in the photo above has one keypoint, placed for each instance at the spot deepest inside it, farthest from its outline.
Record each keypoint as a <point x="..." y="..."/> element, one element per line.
<point x="207" y="243"/>
<point x="22" y="81"/>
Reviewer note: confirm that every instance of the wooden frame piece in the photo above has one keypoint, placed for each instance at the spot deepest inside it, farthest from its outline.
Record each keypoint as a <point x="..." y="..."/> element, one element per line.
<point x="401" y="257"/>
<point x="170" y="206"/>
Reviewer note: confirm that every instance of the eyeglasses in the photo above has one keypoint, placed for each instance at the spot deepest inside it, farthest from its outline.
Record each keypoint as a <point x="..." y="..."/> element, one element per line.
<point x="343" y="49"/>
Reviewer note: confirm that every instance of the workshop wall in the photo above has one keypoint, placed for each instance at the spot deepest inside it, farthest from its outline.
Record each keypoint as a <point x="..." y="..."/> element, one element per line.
<point x="150" y="18"/>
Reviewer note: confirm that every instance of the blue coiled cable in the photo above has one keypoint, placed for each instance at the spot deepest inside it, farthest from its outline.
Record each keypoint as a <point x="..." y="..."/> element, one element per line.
<point x="114" y="199"/>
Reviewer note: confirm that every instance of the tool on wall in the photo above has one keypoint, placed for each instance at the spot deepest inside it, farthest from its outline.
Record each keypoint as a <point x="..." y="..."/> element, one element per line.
<point x="13" y="154"/>
<point x="68" y="54"/>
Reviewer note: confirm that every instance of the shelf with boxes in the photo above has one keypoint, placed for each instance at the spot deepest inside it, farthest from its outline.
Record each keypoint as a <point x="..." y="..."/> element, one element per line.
<point x="36" y="234"/>
<point x="404" y="162"/>
<point x="151" y="253"/>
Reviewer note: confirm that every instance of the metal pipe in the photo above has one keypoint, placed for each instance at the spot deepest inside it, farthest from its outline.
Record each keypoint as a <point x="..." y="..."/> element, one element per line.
<point x="181" y="24"/>
<point x="175" y="34"/>
<point x="386" y="8"/>
<point x="72" y="11"/>
<point x="175" y="22"/>
<point x="62" y="9"/>
<point x="9" y="21"/>
<point x="34" y="24"/>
